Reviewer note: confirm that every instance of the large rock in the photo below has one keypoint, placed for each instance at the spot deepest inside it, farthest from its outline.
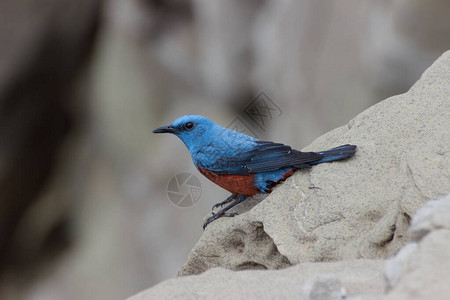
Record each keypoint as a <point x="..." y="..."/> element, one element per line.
<point x="422" y="268"/>
<point x="357" y="208"/>
<point x="304" y="281"/>
<point x="419" y="271"/>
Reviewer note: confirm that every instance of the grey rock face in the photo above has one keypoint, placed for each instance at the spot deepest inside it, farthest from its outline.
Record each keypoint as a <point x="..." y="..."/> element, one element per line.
<point x="325" y="286"/>
<point x="304" y="281"/>
<point x="421" y="269"/>
<point x="357" y="208"/>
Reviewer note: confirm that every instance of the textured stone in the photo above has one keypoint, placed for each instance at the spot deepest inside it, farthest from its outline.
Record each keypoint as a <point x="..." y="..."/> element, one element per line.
<point x="325" y="286"/>
<point x="434" y="215"/>
<point x="419" y="271"/>
<point x="304" y="281"/>
<point x="357" y="208"/>
<point x="422" y="268"/>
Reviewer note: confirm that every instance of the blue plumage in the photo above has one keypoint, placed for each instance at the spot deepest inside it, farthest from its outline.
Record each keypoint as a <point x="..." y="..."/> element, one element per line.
<point x="334" y="154"/>
<point x="240" y="163"/>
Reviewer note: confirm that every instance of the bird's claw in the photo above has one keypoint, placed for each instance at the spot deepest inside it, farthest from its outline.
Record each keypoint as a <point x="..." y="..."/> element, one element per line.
<point x="209" y="220"/>
<point x="234" y="199"/>
<point x="217" y="216"/>
<point x="226" y="201"/>
<point x="216" y="206"/>
<point x="230" y="215"/>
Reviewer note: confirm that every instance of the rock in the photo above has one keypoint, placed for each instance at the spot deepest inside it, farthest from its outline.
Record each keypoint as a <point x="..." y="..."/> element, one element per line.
<point x="357" y="208"/>
<point x="324" y="287"/>
<point x="394" y="267"/>
<point x="422" y="268"/>
<point x="434" y="215"/>
<point x="419" y="271"/>
<point x="304" y="281"/>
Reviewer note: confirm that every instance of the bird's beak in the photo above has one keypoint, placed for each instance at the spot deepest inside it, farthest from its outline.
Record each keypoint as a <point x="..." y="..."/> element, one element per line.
<point x="165" y="129"/>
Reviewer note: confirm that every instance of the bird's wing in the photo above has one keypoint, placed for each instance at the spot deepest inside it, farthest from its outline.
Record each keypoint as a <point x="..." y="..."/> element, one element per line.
<point x="263" y="157"/>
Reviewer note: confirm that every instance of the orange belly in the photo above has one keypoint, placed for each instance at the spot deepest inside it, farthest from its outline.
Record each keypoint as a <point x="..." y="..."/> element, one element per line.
<point x="236" y="184"/>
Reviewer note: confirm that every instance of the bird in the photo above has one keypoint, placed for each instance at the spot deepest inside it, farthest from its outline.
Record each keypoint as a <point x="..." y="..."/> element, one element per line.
<point x="241" y="164"/>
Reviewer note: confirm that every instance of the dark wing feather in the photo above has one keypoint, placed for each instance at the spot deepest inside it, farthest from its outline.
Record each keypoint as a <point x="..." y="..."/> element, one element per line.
<point x="266" y="156"/>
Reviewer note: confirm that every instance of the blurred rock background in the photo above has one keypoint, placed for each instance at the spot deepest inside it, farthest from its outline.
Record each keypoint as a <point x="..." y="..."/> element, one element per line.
<point x="84" y="208"/>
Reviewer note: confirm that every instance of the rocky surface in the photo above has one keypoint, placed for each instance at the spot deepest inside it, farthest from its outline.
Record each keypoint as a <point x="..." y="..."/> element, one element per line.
<point x="357" y="208"/>
<point x="419" y="271"/>
<point x="300" y="281"/>
<point x="342" y="211"/>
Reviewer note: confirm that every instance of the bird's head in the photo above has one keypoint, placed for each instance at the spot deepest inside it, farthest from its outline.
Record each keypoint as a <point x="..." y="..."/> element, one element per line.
<point x="193" y="130"/>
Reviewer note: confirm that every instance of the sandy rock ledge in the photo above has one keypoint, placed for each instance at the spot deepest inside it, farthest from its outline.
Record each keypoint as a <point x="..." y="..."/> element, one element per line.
<point x="331" y="228"/>
<point x="419" y="271"/>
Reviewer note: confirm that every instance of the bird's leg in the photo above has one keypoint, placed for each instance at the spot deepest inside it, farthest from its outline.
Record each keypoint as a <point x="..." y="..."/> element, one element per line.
<point x="226" y="201"/>
<point x="223" y="211"/>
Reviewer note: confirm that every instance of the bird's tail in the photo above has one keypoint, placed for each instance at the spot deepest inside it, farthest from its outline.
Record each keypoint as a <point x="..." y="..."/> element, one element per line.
<point x="337" y="153"/>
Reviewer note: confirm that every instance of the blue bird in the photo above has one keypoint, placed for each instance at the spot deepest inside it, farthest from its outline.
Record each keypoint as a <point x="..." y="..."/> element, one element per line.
<point x="240" y="163"/>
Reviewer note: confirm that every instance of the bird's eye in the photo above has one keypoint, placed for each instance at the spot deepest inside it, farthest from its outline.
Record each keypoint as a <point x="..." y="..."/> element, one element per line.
<point x="189" y="125"/>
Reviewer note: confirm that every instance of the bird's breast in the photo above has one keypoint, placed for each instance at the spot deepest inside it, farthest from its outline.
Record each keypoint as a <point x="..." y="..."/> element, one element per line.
<point x="236" y="184"/>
